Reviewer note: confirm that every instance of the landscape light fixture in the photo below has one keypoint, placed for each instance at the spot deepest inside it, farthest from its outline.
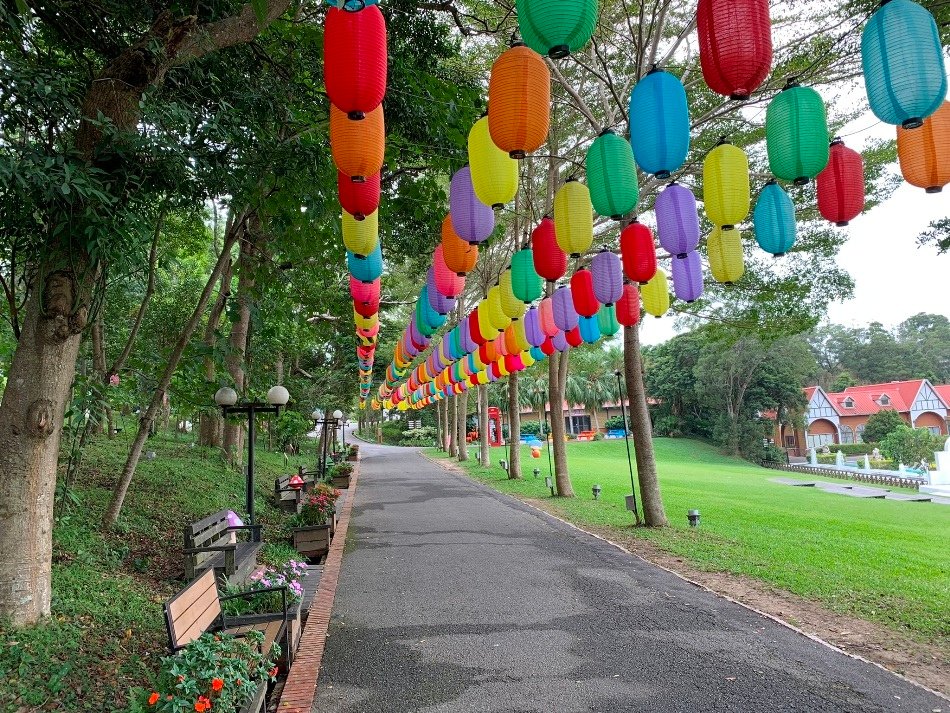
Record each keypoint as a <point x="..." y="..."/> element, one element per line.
<point x="632" y="498"/>
<point x="693" y="516"/>
<point x="537" y="472"/>
<point x="548" y="481"/>
<point x="503" y="464"/>
<point x="596" y="491"/>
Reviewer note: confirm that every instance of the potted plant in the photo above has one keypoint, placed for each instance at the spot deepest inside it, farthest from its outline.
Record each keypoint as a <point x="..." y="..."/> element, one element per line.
<point x="353" y="452"/>
<point x="216" y="673"/>
<point x="340" y="474"/>
<point x="310" y="529"/>
<point x="325" y="488"/>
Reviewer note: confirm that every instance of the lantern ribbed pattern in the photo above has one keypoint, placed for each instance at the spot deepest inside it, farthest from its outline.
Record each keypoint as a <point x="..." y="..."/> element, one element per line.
<point x="559" y="341"/>
<point x="724" y="248"/>
<point x="612" y="175"/>
<point x="677" y="220"/>
<point x="735" y="45"/>
<point x="501" y="343"/>
<point x="352" y="5"/>
<point x="556" y="27"/>
<point x="532" y="327"/>
<point x="519" y="101"/>
<point x="774" y="220"/>
<point x="573" y="218"/>
<point x="607" y="275"/>
<point x="361" y="236"/>
<point x="573" y="337"/>
<point x="840" y="186"/>
<point x="365" y="322"/>
<point x="354" y="59"/>
<point x="364" y="291"/>
<point x="924" y="153"/>
<point x="358" y="147"/>
<point x="366" y="309"/>
<point x="473" y="220"/>
<point x="548" y="348"/>
<point x="688" y="277"/>
<point x="607" y="320"/>
<point x="796" y="134"/>
<point x="525" y="281"/>
<point x="565" y="314"/>
<point x="546" y="317"/>
<point x="638" y="253"/>
<point x="659" y="124"/>
<point x="550" y="262"/>
<point x="459" y="256"/>
<point x="496" y="313"/>
<point x="903" y="64"/>
<point x="494" y="172"/>
<point x="485" y="325"/>
<point x="513" y="307"/>
<point x="656" y="295"/>
<point x="582" y="292"/>
<point x="358" y="199"/>
<point x="474" y="328"/>
<point x="589" y="329"/>
<point x="437" y="301"/>
<point x="512" y="346"/>
<point x="366" y="269"/>
<point x="447" y="281"/>
<point x="726" y="185"/>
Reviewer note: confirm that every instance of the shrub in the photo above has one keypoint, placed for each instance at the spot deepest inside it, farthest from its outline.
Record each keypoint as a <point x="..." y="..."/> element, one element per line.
<point x="854" y="449"/>
<point x="911" y="445"/>
<point x="288" y="575"/>
<point x="316" y="510"/>
<point x="392" y="432"/>
<point x="290" y="428"/>
<point x="424" y="436"/>
<point x="880" y="424"/>
<point x="598" y="436"/>
<point x="614" y="423"/>
<point x="531" y="428"/>
<point x="774" y="454"/>
<point x="277" y="554"/>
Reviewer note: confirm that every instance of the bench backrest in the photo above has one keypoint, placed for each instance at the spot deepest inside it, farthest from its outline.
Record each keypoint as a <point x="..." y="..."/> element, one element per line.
<point x="193" y="611"/>
<point x="207" y="532"/>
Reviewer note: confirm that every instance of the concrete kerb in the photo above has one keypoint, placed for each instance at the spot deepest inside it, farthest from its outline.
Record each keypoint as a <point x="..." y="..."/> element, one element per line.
<point x="457" y="470"/>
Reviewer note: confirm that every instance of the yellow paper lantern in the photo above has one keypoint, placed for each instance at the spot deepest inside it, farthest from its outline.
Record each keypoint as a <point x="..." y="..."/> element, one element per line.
<point x="485" y="324"/>
<point x="502" y="371"/>
<point x="512" y="306"/>
<point x="494" y="172"/>
<point x="656" y="295"/>
<point x="365" y="322"/>
<point x="521" y="339"/>
<point x="483" y="378"/>
<point x="573" y="218"/>
<point x="496" y="313"/>
<point x="726" y="262"/>
<point x="527" y="359"/>
<point x="361" y="236"/>
<point x="726" y="185"/>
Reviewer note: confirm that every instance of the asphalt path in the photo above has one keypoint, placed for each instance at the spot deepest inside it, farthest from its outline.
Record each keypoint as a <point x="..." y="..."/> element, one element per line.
<point x="454" y="598"/>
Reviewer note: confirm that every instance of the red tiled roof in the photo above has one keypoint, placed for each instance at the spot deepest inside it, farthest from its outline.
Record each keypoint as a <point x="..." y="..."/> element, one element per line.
<point x="900" y="393"/>
<point x="944" y="393"/>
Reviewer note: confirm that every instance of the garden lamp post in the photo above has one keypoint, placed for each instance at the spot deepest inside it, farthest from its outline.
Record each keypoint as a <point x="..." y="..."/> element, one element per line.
<point x="338" y="415"/>
<point x="227" y="399"/>
<point x="623" y="411"/>
<point x="324" y="422"/>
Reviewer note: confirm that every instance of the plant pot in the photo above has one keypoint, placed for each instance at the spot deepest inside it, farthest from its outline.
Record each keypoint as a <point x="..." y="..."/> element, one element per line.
<point x="352" y="457"/>
<point x="313" y="541"/>
<point x="256" y="704"/>
<point x="341" y="481"/>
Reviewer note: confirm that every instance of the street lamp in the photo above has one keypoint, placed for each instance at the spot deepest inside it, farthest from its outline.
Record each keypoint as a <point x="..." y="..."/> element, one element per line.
<point x="338" y="415"/>
<point x="324" y="421"/>
<point x="227" y="399"/>
<point x="632" y="500"/>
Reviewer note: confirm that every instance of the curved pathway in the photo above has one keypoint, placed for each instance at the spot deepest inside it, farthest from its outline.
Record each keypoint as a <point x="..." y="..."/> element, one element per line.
<point x="454" y="598"/>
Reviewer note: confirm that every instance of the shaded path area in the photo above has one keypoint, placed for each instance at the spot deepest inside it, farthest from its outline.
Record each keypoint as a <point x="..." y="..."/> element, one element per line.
<point x="455" y="598"/>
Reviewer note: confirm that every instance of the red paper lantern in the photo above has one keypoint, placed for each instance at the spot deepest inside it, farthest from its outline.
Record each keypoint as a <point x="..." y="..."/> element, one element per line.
<point x="487" y="352"/>
<point x="735" y="45"/>
<point x="364" y="291"/>
<point x="473" y="330"/>
<point x="638" y="253"/>
<point x="628" y="307"/>
<point x="574" y="337"/>
<point x="358" y="199"/>
<point x="354" y="59"/>
<point x="548" y="347"/>
<point x="366" y="309"/>
<point x="841" y="185"/>
<point x="549" y="260"/>
<point x="582" y="292"/>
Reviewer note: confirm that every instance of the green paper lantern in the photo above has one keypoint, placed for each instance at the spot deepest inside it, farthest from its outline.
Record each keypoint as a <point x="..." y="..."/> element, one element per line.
<point x="612" y="176"/>
<point x="525" y="281"/>
<point x="607" y="320"/>
<point x="796" y="134"/>
<point x="556" y="27"/>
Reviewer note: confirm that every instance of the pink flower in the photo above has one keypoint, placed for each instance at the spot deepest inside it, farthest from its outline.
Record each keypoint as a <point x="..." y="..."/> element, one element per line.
<point x="114" y="380"/>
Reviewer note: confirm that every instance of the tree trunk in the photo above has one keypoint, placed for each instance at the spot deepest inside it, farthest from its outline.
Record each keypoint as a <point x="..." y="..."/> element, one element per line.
<point x="211" y="430"/>
<point x="514" y="429"/>
<point x="557" y="366"/>
<point x="642" y="430"/>
<point x="451" y="433"/>
<point x="462" y="418"/>
<point x="484" y="455"/>
<point x="158" y="398"/>
<point x="98" y="339"/>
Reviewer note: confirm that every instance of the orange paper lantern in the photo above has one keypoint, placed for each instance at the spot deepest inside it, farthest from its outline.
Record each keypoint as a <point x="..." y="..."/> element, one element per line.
<point x="924" y="153"/>
<point x="459" y="255"/>
<point x="358" y="147"/>
<point x="519" y="101"/>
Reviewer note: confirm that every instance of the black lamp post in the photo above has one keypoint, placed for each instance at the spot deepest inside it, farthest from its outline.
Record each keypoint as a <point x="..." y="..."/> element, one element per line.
<point x="626" y="439"/>
<point x="227" y="399"/>
<point x="324" y="422"/>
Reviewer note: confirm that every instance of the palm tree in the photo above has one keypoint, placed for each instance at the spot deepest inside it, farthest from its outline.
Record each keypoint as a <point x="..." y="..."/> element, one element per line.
<point x="533" y="392"/>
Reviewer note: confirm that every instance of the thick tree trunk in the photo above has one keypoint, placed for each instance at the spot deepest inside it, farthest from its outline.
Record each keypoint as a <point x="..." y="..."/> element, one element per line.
<point x="484" y="455"/>
<point x="211" y="430"/>
<point x="557" y="368"/>
<point x="158" y="398"/>
<point x="514" y="428"/>
<point x="462" y="418"/>
<point x="451" y="433"/>
<point x="642" y="430"/>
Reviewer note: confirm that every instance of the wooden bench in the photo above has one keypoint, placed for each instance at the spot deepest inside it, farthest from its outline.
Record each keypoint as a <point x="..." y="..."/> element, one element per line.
<point x="209" y="545"/>
<point x="196" y="609"/>
<point x="289" y="498"/>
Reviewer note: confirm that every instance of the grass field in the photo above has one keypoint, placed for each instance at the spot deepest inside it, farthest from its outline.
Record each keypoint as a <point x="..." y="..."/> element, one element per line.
<point x="884" y="561"/>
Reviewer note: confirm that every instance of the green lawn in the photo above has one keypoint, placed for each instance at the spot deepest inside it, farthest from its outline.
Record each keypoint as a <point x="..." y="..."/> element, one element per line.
<point x="884" y="561"/>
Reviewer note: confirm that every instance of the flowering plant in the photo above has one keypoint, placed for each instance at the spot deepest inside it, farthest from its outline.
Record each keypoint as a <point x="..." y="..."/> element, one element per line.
<point x="317" y="508"/>
<point x="215" y="673"/>
<point x="287" y="575"/>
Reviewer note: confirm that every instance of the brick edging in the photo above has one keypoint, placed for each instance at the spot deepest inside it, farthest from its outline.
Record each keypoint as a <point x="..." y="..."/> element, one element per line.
<point x="300" y="689"/>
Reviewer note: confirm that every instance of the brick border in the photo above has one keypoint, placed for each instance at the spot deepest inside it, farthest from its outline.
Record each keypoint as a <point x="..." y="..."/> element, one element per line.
<point x="300" y="688"/>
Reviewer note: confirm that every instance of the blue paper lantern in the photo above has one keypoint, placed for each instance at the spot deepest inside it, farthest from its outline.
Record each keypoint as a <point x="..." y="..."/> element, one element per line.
<point x="774" y="220"/>
<point x="659" y="123"/>
<point x="537" y="354"/>
<point x="590" y="329"/>
<point x="903" y="64"/>
<point x="352" y="5"/>
<point x="366" y="269"/>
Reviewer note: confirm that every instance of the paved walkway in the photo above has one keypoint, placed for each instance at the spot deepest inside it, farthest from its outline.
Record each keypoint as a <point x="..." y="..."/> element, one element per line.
<point x="454" y="598"/>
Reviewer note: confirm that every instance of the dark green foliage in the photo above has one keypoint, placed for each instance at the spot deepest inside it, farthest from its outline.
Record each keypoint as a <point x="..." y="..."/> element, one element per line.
<point x="881" y="424"/>
<point x="290" y="428"/>
<point x="424" y="436"/>
<point x="614" y="423"/>
<point x="531" y="428"/>
<point x="910" y="446"/>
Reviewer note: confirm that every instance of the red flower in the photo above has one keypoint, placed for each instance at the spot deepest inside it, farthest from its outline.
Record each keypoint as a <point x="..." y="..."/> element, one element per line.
<point x="153" y="699"/>
<point x="273" y="672"/>
<point x="200" y="706"/>
<point x="216" y="684"/>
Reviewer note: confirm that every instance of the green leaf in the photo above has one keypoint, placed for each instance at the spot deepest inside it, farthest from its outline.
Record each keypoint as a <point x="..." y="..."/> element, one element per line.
<point x="22" y="7"/>
<point x="260" y="9"/>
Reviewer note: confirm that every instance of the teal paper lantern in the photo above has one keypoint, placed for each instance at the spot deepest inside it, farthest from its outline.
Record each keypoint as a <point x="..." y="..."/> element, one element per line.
<point x="368" y="268"/>
<point x="526" y="283"/>
<point x="612" y="176"/>
<point x="774" y="220"/>
<point x="607" y="320"/>
<point x="796" y="134"/>
<point x="589" y="329"/>
<point x="659" y="123"/>
<point x="556" y="27"/>
<point x="903" y="64"/>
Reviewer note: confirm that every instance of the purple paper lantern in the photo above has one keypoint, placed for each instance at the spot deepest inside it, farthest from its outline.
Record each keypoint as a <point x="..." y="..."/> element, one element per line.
<point x="532" y="328"/>
<point x="472" y="220"/>
<point x="688" y="277"/>
<point x="607" y="274"/>
<point x="677" y="221"/>
<point x="414" y="335"/>
<point x="437" y="301"/>
<point x="559" y="341"/>
<point x="565" y="316"/>
<point x="468" y="344"/>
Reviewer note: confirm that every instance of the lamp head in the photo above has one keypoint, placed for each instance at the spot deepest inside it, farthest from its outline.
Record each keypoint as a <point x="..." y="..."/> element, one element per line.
<point x="225" y="396"/>
<point x="315" y="415"/>
<point x="338" y="414"/>
<point x="278" y="396"/>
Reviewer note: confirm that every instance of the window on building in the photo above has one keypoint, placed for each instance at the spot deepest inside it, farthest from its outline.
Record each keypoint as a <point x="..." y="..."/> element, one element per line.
<point x="790" y="441"/>
<point x="884" y="400"/>
<point x="848" y="402"/>
<point x="817" y="440"/>
<point x="934" y="430"/>
<point x="859" y="434"/>
<point x="577" y="424"/>
<point x="847" y="435"/>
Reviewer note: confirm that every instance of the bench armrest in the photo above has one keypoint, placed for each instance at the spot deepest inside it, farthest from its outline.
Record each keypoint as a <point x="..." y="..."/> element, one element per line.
<point x="255" y="531"/>
<point x="216" y="548"/>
